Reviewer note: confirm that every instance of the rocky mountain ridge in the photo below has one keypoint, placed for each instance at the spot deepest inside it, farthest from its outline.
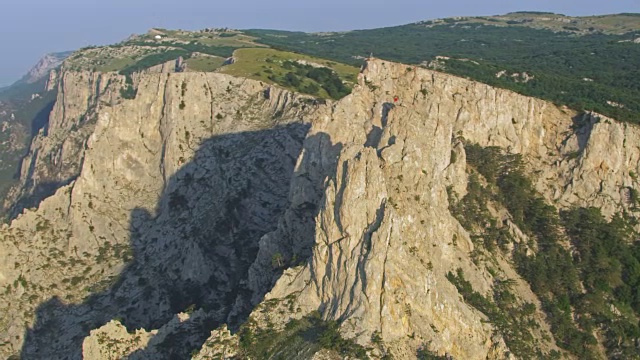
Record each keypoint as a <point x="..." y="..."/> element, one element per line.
<point x="390" y="182"/>
<point x="24" y="109"/>
<point x="44" y="66"/>
<point x="229" y="201"/>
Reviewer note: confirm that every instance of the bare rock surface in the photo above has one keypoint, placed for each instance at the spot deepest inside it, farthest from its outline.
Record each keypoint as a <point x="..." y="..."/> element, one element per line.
<point x="384" y="237"/>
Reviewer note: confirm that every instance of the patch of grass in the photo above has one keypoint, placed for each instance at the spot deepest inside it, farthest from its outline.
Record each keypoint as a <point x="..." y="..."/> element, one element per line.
<point x="128" y="92"/>
<point x="232" y="40"/>
<point x="423" y="353"/>
<point x="152" y="60"/>
<point x="116" y="64"/>
<point x="204" y="63"/>
<point x="144" y="51"/>
<point x="270" y="65"/>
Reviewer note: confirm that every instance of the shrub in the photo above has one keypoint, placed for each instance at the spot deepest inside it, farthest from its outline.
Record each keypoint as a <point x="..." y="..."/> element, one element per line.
<point x="310" y="333"/>
<point x="277" y="260"/>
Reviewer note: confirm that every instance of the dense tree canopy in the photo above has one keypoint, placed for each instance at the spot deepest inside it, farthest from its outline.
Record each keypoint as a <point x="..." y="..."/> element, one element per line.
<point x="584" y="72"/>
<point x="592" y="284"/>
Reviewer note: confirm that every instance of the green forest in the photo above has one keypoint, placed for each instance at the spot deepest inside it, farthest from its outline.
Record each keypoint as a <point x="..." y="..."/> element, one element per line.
<point x="321" y="77"/>
<point x="559" y="62"/>
<point x="594" y="286"/>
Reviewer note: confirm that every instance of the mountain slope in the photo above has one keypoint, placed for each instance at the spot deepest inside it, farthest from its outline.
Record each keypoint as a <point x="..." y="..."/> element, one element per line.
<point x="387" y="215"/>
<point x="43" y="67"/>
<point x="202" y="209"/>
<point x="24" y="110"/>
<point x="588" y="72"/>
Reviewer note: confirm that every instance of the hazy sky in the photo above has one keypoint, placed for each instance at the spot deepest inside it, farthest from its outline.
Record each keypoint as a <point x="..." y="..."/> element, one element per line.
<point x="31" y="28"/>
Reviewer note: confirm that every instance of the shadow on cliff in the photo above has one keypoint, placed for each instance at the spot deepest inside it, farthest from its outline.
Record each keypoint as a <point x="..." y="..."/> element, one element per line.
<point x="195" y="250"/>
<point x="582" y="126"/>
<point x="39" y="120"/>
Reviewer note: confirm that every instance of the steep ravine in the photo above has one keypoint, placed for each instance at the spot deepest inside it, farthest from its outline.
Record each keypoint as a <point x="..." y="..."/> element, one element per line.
<point x="207" y="192"/>
<point x="174" y="191"/>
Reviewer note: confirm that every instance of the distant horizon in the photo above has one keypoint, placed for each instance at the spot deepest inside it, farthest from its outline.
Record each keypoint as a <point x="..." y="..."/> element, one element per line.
<point x="392" y="25"/>
<point x="319" y="31"/>
<point x="30" y="22"/>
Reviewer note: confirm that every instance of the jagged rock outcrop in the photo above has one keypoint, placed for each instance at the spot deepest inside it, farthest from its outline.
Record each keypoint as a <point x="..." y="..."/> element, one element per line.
<point x="223" y="346"/>
<point x="172" y="66"/>
<point x="217" y="193"/>
<point x="113" y="341"/>
<point x="599" y="167"/>
<point x="384" y="214"/>
<point x="24" y="107"/>
<point x="56" y="153"/>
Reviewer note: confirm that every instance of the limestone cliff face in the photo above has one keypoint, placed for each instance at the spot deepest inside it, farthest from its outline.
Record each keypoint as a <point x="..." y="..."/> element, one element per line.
<point x="384" y="237"/>
<point x="198" y="193"/>
<point x="56" y="153"/>
<point x="599" y="167"/>
<point x="173" y="191"/>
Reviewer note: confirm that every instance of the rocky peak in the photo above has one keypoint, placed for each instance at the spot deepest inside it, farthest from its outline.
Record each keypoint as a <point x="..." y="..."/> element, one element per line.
<point x="44" y="66"/>
<point x="393" y="150"/>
